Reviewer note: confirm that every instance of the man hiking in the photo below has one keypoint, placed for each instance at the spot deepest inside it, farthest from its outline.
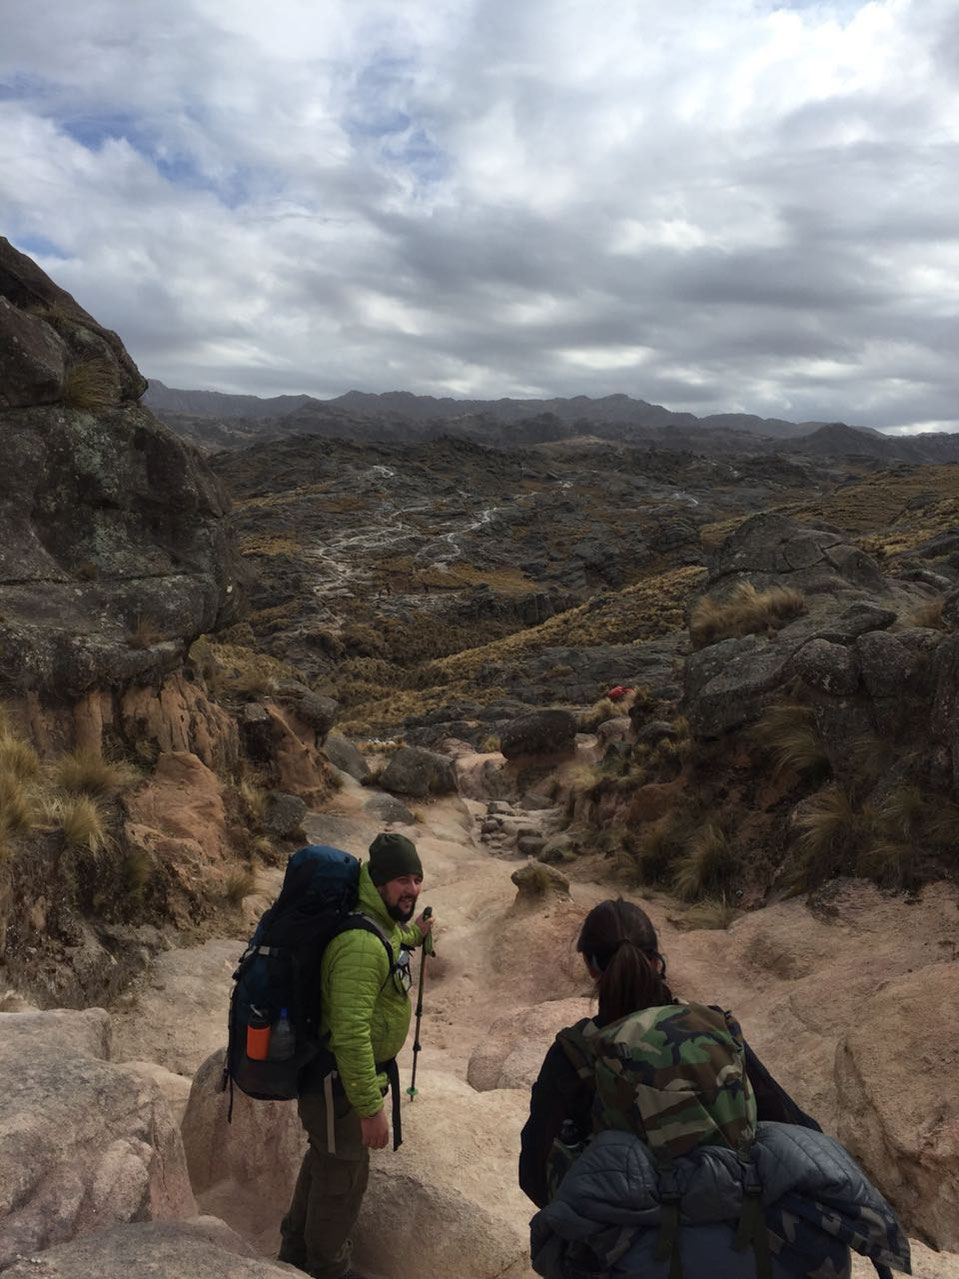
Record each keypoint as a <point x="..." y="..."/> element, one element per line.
<point x="364" y="983"/>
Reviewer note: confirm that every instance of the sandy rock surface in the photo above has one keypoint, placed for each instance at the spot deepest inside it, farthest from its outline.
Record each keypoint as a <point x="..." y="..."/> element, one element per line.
<point x="201" y="1248"/>
<point x="84" y="1144"/>
<point x="907" y="1138"/>
<point x="505" y="978"/>
<point x="179" y="1014"/>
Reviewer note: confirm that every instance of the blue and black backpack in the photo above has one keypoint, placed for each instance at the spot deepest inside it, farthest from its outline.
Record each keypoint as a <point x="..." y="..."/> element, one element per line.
<point x="275" y="1006"/>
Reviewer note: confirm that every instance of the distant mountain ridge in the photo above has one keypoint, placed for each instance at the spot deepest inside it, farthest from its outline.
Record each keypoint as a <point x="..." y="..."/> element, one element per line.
<point x="618" y="409"/>
<point x="215" y="420"/>
<point x="161" y="398"/>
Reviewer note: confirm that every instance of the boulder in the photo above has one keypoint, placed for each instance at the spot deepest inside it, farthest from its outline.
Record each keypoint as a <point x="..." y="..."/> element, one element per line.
<point x="84" y="1144"/>
<point x="614" y="730"/>
<point x="898" y="1105"/>
<point x="387" y="808"/>
<point x="415" y="771"/>
<point x="32" y="359"/>
<point x="830" y="668"/>
<point x="179" y="1017"/>
<point x="538" y="881"/>
<point x="319" y="712"/>
<point x="342" y="754"/>
<point x="284" y="814"/>
<point x="656" y="731"/>
<point x="243" y="1171"/>
<point x="285" y="746"/>
<point x="547" y="732"/>
<point x="557" y="851"/>
<point x="114" y="548"/>
<point x="445" y="1203"/>
<point x="511" y="1052"/>
<point x="728" y="683"/>
<point x="199" y="1248"/>
<point x="29" y="288"/>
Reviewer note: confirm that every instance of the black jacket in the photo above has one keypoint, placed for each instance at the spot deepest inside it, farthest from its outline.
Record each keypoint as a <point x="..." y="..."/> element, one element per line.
<point x="560" y="1094"/>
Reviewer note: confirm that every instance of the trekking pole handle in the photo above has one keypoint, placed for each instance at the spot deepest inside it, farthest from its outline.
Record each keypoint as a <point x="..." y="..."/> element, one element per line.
<point x="428" y="937"/>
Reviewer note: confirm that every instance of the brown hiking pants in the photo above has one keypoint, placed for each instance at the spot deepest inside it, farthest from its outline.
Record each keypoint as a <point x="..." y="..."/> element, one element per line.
<point x="329" y="1191"/>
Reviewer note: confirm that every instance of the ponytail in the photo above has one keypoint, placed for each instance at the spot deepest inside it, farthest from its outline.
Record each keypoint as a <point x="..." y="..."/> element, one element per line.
<point x="620" y="941"/>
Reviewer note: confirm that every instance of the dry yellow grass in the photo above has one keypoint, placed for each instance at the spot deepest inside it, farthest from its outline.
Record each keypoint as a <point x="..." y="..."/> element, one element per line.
<point x="744" y="611"/>
<point x="706" y="865"/>
<point x="253" y="799"/>
<point x="17" y="806"/>
<point x="832" y="832"/>
<point x="144" y="633"/>
<point x="787" y="731"/>
<point x="90" y="386"/>
<point x="18" y="758"/>
<point x="84" y="772"/>
<point x="711" y="913"/>
<point x="81" y="821"/>
<point x="929" y="615"/>
<point x="239" y="883"/>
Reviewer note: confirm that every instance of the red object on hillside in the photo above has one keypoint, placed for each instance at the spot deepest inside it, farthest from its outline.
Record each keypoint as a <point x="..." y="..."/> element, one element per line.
<point x="619" y="691"/>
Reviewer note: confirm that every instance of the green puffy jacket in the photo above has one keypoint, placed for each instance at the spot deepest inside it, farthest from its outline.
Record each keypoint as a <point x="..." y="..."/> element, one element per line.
<point x="366" y="1010"/>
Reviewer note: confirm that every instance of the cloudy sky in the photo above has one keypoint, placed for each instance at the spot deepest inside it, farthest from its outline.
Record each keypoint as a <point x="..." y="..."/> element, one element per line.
<point x="718" y="205"/>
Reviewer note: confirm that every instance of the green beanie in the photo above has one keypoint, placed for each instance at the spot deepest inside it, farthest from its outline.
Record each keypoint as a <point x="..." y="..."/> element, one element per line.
<point x="392" y="856"/>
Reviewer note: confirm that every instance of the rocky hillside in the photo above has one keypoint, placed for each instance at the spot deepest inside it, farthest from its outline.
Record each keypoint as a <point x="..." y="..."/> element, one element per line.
<point x="134" y="783"/>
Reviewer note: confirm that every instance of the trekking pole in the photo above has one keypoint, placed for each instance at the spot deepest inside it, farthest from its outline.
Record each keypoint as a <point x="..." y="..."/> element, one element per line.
<point x="427" y="950"/>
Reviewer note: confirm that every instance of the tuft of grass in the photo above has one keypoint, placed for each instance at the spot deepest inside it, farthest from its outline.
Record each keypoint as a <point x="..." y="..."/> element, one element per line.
<point x="707" y="865"/>
<point x="903" y="811"/>
<point x="17" y="807"/>
<point x="136" y="870"/>
<point x="711" y="913"/>
<point x="144" y="633"/>
<point x="239" y="883"/>
<point x="787" y="731"/>
<point x="490" y="745"/>
<point x="598" y="713"/>
<point x="745" y="611"/>
<point x="91" y="386"/>
<point x="654" y="851"/>
<point x="253" y="799"/>
<point x="18" y="759"/>
<point x="833" y="834"/>
<point x="81" y="821"/>
<point x="84" y="772"/>
<point x="929" y="615"/>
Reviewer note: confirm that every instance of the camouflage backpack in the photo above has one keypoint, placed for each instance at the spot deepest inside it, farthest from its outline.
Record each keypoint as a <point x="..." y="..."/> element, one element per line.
<point x="674" y="1075"/>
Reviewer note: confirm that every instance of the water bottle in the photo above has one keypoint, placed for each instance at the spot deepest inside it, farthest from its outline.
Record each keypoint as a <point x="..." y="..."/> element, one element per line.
<point x="257" y="1035"/>
<point x="282" y="1038"/>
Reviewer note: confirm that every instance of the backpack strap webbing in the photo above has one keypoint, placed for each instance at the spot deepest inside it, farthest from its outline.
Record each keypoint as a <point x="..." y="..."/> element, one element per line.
<point x="667" y="1245"/>
<point x="752" y="1223"/>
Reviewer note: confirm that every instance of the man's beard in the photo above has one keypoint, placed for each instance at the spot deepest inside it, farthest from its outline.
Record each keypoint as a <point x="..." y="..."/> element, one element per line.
<point x="400" y="914"/>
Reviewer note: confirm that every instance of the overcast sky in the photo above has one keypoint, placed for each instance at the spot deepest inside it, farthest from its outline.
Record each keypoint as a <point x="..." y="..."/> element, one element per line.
<point x="717" y="205"/>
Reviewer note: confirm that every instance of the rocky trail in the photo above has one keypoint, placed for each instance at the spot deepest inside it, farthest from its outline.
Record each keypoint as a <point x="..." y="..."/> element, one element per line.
<point x="814" y="989"/>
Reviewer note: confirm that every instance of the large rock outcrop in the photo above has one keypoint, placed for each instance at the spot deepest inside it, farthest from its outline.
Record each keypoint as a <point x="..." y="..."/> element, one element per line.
<point x="84" y="1144"/>
<point x="438" y="1205"/>
<point x="837" y="644"/>
<point x="896" y="1073"/>
<point x="114" y="552"/>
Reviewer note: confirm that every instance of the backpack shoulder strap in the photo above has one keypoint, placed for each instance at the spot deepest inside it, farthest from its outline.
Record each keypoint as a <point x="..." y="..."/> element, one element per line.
<point x="358" y="920"/>
<point x="575" y="1045"/>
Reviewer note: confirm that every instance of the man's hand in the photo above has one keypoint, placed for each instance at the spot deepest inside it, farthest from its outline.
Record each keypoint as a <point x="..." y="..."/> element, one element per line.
<point x="425" y="924"/>
<point x="375" y="1129"/>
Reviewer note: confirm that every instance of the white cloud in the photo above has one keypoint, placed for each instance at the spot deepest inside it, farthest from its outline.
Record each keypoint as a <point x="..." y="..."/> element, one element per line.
<point x="755" y="209"/>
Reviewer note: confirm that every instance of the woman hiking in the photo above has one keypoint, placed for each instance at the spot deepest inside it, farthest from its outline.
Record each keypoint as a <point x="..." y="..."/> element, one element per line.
<point x="658" y="1145"/>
